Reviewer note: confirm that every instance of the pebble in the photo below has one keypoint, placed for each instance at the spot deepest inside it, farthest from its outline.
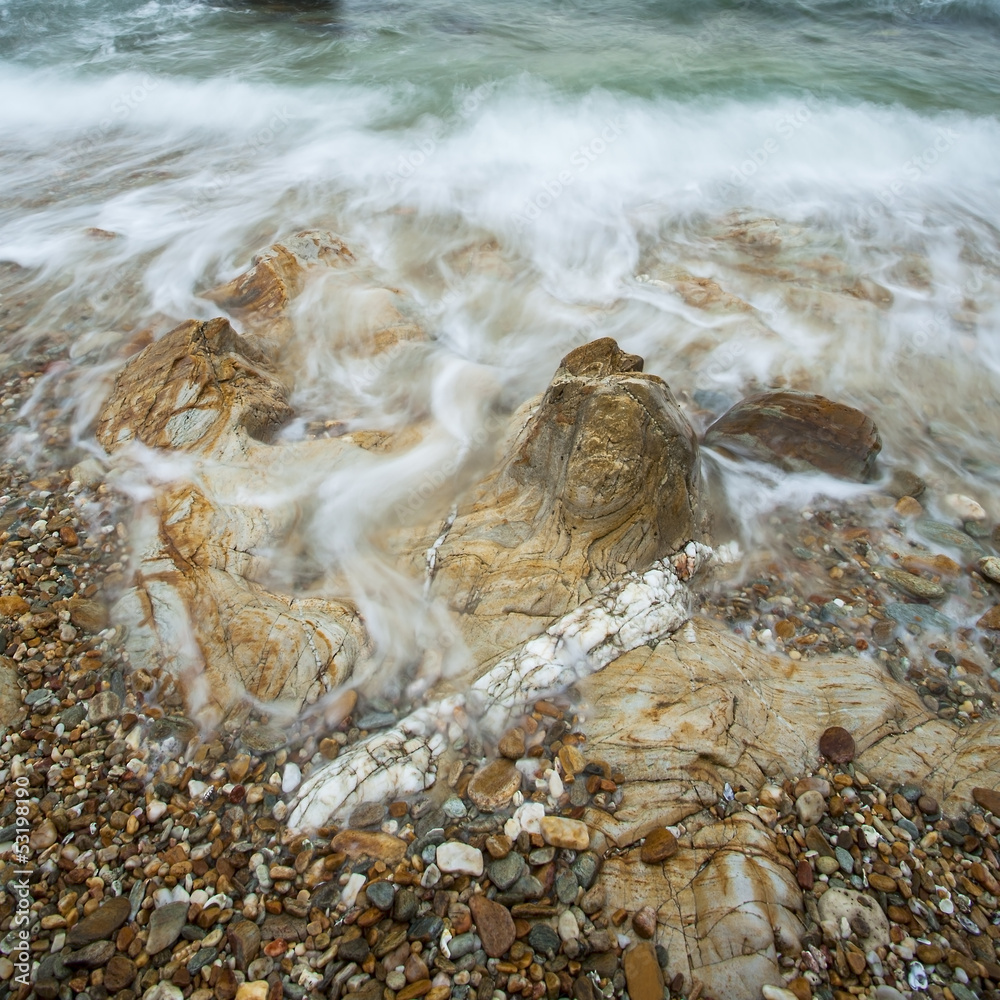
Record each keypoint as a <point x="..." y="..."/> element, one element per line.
<point x="104" y="705"/>
<point x="262" y="739"/>
<point x="644" y="922"/>
<point x="101" y="924"/>
<point x="917" y="586"/>
<point x="512" y="744"/>
<point x="494" y="785"/>
<point x="543" y="938"/>
<point x="643" y="974"/>
<point x="659" y="845"/>
<point x="455" y="856"/>
<point x="165" y="925"/>
<point x="291" y="778"/>
<point x="569" y="833"/>
<point x="494" y="924"/>
<point x="504" y="872"/>
<point x="381" y="895"/>
<point x="989" y="566"/>
<point x="810" y="807"/>
<point x="837" y="745"/>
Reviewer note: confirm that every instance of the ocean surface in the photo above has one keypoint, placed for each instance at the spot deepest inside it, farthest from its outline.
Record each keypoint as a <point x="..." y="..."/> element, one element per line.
<point x="530" y="176"/>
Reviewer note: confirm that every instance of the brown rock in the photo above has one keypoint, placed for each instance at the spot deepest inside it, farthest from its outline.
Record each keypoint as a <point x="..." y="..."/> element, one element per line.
<point x="418" y="989"/>
<point x="101" y="924"/>
<point x="930" y="954"/>
<point x="244" y="942"/>
<point x="882" y="882"/>
<point x="493" y="786"/>
<point x="908" y="507"/>
<point x="511" y="744"/>
<point x="494" y="925"/>
<point x="988" y="798"/>
<point x="643" y="975"/>
<point x="799" y="432"/>
<point x="119" y="973"/>
<point x="11" y="606"/>
<point x="87" y="614"/>
<point x="660" y="844"/>
<point x="837" y="745"/>
<point x="991" y="619"/>
<point x="804" y="874"/>
<point x="984" y="877"/>
<point x="644" y="922"/>
<point x="381" y="846"/>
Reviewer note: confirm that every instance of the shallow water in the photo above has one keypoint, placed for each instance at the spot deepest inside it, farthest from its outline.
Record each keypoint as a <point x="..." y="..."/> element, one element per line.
<point x="529" y="177"/>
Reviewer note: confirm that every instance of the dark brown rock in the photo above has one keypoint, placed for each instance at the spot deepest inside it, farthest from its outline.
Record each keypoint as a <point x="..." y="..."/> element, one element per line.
<point x="988" y="798"/>
<point x="494" y="925"/>
<point x="799" y="432"/>
<point x="837" y="745"/>
<point x="101" y="924"/>
<point x="119" y="973"/>
<point x="244" y="942"/>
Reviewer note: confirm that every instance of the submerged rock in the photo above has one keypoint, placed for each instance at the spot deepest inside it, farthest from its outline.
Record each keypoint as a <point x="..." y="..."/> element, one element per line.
<point x="799" y="432"/>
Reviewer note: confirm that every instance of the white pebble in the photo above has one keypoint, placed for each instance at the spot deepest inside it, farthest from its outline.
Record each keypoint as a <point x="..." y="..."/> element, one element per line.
<point x="555" y="786"/>
<point x="965" y="507"/>
<point x="351" y="890"/>
<point x="529" y="817"/>
<point x="291" y="778"/>
<point x="454" y="856"/>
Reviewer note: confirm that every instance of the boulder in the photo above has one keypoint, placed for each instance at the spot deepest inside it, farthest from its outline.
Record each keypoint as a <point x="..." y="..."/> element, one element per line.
<point x="799" y="432"/>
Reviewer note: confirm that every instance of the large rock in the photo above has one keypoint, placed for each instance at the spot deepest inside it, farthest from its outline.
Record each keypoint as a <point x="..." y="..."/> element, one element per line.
<point x="799" y="432"/>
<point x="706" y="707"/>
<point x="726" y="904"/>
<point x="599" y="477"/>
<point x="192" y="390"/>
<point x="12" y="707"/>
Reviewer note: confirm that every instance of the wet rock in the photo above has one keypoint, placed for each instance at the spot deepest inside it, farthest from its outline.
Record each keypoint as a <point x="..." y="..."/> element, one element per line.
<point x="103" y="706"/>
<point x="989" y="566"/>
<point x="543" y="938"/>
<point x="262" y="739"/>
<point x="91" y="956"/>
<point x="244" y="939"/>
<point x="799" y="432"/>
<point x="119" y="973"/>
<point x="837" y="745"/>
<point x="493" y="786"/>
<point x="87" y="614"/>
<point x="494" y="924"/>
<point x="810" y="807"/>
<point x="381" y="894"/>
<point x="506" y="871"/>
<point x="585" y="868"/>
<point x="165" y="925"/>
<point x="368" y="814"/>
<point x="101" y="924"/>
<point x="659" y="845"/>
<point x="991" y="619"/>
<point x="644" y="922"/>
<point x="917" y="586"/>
<point x="359" y="843"/>
<point x="511" y="744"/>
<point x="642" y="972"/>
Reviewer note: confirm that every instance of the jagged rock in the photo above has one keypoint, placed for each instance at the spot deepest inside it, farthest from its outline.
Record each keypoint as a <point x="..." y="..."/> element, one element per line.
<point x="191" y="390"/>
<point x="799" y="432"/>
<point x="600" y="478"/>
